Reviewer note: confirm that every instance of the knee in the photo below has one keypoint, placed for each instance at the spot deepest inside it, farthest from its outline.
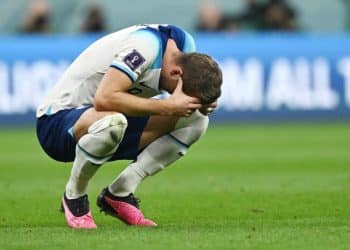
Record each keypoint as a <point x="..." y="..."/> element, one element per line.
<point x="102" y="138"/>
<point x="111" y="119"/>
<point x="114" y="124"/>
<point x="190" y="129"/>
<point x="107" y="132"/>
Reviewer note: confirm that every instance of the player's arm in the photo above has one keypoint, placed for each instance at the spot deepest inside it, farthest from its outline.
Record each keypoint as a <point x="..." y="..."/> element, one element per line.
<point x="112" y="95"/>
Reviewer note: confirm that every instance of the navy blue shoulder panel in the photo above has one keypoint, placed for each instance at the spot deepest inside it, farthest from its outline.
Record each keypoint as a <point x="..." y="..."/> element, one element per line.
<point x="169" y="32"/>
<point x="175" y="33"/>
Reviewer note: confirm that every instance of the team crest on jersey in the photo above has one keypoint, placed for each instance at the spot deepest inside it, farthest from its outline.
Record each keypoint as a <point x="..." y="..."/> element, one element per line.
<point x="134" y="59"/>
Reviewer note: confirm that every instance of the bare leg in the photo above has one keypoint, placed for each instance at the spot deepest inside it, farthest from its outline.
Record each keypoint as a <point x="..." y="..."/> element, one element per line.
<point x="86" y="120"/>
<point x="156" y="127"/>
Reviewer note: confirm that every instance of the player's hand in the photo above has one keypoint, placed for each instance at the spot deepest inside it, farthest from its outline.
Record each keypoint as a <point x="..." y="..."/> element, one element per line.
<point x="209" y="108"/>
<point x="181" y="104"/>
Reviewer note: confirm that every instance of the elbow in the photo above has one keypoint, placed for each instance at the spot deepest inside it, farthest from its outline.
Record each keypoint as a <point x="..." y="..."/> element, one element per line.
<point x="101" y="104"/>
<point x="107" y="102"/>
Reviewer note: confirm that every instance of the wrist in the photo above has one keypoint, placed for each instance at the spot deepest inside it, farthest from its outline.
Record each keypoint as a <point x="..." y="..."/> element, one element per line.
<point x="166" y="107"/>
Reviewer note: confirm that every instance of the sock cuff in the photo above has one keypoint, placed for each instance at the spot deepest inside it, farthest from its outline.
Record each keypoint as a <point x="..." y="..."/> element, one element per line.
<point x="96" y="160"/>
<point x="179" y="142"/>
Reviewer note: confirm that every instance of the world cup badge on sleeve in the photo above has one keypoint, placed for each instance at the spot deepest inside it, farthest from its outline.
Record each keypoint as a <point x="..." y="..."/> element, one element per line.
<point x="134" y="59"/>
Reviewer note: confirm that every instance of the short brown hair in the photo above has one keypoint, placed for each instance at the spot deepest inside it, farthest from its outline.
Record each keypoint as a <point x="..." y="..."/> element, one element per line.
<point x="202" y="76"/>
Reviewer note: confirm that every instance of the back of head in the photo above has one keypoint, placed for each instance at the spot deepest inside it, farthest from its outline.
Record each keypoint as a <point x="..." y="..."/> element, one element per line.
<point x="202" y="76"/>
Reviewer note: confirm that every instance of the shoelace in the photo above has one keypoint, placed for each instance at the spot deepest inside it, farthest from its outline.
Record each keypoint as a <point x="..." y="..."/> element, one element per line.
<point x="79" y="206"/>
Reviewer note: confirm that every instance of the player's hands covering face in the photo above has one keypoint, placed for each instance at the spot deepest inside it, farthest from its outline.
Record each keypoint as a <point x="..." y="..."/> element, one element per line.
<point x="182" y="104"/>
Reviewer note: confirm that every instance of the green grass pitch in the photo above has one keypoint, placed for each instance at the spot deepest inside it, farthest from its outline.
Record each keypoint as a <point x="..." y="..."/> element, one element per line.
<point x="240" y="187"/>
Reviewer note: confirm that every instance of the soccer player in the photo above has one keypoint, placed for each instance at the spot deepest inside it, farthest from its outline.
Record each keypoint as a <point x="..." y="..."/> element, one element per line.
<point x="102" y="110"/>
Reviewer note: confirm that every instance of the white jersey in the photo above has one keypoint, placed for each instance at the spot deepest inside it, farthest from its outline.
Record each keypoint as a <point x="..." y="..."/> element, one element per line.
<point x="137" y="51"/>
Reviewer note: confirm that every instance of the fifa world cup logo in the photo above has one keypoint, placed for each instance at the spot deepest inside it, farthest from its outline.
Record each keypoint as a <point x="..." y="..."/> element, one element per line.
<point x="134" y="59"/>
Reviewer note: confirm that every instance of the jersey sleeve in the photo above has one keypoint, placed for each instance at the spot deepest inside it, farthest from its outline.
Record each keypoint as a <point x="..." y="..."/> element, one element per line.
<point x="137" y="53"/>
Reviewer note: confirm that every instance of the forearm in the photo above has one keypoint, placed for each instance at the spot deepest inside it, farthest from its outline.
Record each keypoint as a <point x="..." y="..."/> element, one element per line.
<point x="132" y="105"/>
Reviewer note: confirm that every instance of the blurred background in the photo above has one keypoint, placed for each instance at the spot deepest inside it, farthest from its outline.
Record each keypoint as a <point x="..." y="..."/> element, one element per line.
<point x="281" y="59"/>
<point x="65" y="16"/>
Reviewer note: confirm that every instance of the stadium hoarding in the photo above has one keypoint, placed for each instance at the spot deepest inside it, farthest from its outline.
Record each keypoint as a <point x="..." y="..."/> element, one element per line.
<point x="280" y="76"/>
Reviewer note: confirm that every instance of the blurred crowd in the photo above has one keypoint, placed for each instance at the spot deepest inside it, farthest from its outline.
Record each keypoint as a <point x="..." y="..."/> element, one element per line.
<point x="256" y="15"/>
<point x="269" y="15"/>
<point x="263" y="15"/>
<point x="38" y="18"/>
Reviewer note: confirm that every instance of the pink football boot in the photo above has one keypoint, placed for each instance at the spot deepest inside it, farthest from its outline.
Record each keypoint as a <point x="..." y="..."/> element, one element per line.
<point x="124" y="208"/>
<point x="77" y="213"/>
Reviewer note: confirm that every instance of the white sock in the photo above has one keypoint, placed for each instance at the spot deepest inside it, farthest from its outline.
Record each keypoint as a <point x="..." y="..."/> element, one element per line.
<point x="159" y="154"/>
<point x="94" y="149"/>
<point x="127" y="181"/>
<point x="82" y="171"/>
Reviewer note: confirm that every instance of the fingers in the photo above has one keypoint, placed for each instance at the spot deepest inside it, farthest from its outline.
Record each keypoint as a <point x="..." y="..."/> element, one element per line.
<point x="178" y="92"/>
<point x="192" y="107"/>
<point x="194" y="100"/>
<point x="195" y="106"/>
<point x="178" y="88"/>
<point x="190" y="112"/>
